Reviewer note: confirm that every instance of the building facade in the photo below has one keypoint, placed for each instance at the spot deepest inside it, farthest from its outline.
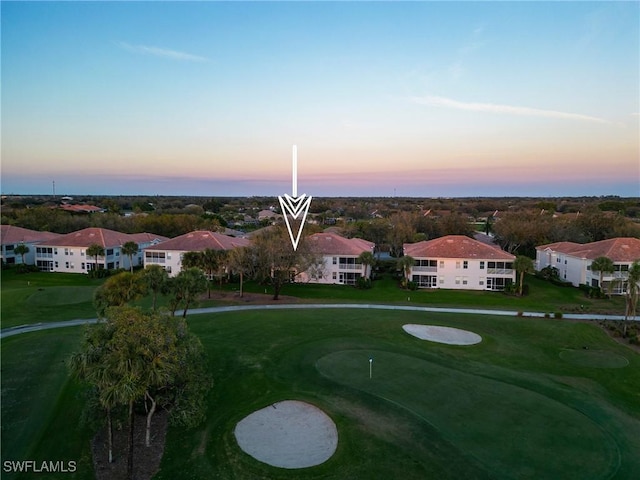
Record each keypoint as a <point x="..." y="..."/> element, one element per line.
<point x="337" y="259"/>
<point x="573" y="261"/>
<point x="461" y="263"/>
<point x="68" y="253"/>
<point x="168" y="254"/>
<point x="12" y="236"/>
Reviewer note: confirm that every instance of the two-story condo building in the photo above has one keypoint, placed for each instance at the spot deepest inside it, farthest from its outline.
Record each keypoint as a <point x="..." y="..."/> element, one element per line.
<point x="68" y="253"/>
<point x="338" y="259"/>
<point x="12" y="236"/>
<point x="168" y="254"/>
<point x="460" y="262"/>
<point x="573" y="261"/>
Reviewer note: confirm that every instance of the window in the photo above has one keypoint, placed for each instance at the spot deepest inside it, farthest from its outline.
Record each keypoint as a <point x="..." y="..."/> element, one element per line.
<point x="82" y="266"/>
<point x="457" y="280"/>
<point x="441" y="280"/>
<point x="56" y="264"/>
<point x="82" y="253"/>
<point x="66" y="251"/>
<point x="465" y="280"/>
<point x="154" y="257"/>
<point x="335" y="260"/>
<point x="441" y="263"/>
<point x="334" y="276"/>
<point x="8" y="248"/>
<point x="457" y="264"/>
<point x="482" y="265"/>
<point x="109" y="251"/>
<point x="481" y="282"/>
<point x="465" y="264"/>
<point x="66" y="264"/>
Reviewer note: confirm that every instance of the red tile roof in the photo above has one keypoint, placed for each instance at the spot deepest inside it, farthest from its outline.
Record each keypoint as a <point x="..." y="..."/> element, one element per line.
<point x="81" y="208"/>
<point x="84" y="238"/>
<point x="332" y="244"/>
<point x="455" y="246"/>
<point x="10" y="234"/>
<point x="622" y="249"/>
<point x="201" y="240"/>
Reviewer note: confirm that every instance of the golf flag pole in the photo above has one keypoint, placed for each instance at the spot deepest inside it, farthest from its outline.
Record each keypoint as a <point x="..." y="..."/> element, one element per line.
<point x="370" y="367"/>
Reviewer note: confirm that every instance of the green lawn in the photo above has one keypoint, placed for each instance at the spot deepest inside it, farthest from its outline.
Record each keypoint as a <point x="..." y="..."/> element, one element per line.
<point x="529" y="401"/>
<point x="45" y="297"/>
<point x="542" y="297"/>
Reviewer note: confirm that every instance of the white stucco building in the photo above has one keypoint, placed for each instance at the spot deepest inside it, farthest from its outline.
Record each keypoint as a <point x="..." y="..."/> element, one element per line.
<point x="338" y="259"/>
<point x="573" y="261"/>
<point x="459" y="262"/>
<point x="68" y="253"/>
<point x="12" y="236"/>
<point x="168" y="254"/>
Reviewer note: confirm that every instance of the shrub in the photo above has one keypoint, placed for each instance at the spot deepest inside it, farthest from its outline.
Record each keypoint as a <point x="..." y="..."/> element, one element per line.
<point x="557" y="315"/>
<point x="412" y="285"/>
<point x="363" y="283"/>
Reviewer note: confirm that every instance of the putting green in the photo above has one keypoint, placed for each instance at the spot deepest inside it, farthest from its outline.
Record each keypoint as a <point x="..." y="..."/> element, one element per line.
<point x="61" y="296"/>
<point x="514" y="432"/>
<point x="594" y="358"/>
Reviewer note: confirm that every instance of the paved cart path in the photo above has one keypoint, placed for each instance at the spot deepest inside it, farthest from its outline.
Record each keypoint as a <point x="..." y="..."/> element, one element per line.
<point x="34" y="327"/>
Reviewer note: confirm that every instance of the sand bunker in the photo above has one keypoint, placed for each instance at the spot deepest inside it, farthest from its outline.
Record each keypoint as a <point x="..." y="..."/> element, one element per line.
<point x="288" y="434"/>
<point x="449" y="335"/>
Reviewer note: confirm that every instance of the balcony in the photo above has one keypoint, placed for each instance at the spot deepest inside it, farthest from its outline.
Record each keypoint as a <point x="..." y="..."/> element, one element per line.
<point x="349" y="266"/>
<point x="500" y="271"/>
<point x="424" y="269"/>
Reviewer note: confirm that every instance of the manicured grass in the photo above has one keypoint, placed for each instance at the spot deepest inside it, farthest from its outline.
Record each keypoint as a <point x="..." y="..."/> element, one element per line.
<point x="45" y="297"/>
<point x="543" y="296"/>
<point x="40" y="403"/>
<point x="509" y="407"/>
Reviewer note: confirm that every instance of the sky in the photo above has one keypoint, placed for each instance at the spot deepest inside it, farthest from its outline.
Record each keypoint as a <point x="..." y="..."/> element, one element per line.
<point x="425" y="99"/>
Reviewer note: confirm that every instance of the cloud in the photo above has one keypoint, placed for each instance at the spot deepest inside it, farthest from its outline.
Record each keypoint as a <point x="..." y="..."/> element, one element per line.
<point x="435" y="101"/>
<point x="162" y="52"/>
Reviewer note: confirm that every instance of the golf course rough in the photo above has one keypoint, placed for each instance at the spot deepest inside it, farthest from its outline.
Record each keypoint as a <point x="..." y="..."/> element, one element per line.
<point x="288" y="434"/>
<point x="448" y="335"/>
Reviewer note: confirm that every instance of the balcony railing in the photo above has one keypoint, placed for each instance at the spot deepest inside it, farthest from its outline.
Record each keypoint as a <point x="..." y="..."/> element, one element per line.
<point x="500" y="271"/>
<point x="420" y="268"/>
<point x="350" y="266"/>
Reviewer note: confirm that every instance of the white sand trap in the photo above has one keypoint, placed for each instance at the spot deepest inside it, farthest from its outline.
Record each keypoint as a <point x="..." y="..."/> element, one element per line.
<point x="288" y="434"/>
<point x="449" y="335"/>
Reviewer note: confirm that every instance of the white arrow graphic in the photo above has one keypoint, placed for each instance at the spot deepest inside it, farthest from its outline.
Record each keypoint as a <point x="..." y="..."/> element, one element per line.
<point x="294" y="206"/>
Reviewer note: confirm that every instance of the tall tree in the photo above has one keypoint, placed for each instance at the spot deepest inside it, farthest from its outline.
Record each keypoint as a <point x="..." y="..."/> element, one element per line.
<point x="602" y="265"/>
<point x="405" y="263"/>
<point x="130" y="249"/>
<point x="211" y="261"/>
<point x="241" y="261"/>
<point x="633" y="291"/>
<point x="95" y="250"/>
<point x="276" y="260"/>
<point x="522" y="264"/>
<point x="118" y="290"/>
<point x="21" y="249"/>
<point x="185" y="287"/>
<point x="135" y="357"/>
<point x="156" y="278"/>
<point x="368" y="260"/>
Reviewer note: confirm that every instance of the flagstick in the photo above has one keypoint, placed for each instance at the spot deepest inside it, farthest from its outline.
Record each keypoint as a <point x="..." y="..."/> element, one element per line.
<point x="294" y="190"/>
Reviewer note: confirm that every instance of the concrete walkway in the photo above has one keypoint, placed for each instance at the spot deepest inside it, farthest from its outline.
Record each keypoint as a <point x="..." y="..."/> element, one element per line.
<point x="8" y="332"/>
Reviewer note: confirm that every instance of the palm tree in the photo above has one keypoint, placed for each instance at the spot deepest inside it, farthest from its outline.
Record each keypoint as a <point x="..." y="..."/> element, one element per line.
<point x="405" y="263"/>
<point x="21" y="250"/>
<point x="156" y="279"/>
<point x="210" y="261"/>
<point x="368" y="260"/>
<point x="95" y="250"/>
<point x="130" y="249"/>
<point x="241" y="262"/>
<point x="522" y="264"/>
<point x="602" y="265"/>
<point x="633" y="291"/>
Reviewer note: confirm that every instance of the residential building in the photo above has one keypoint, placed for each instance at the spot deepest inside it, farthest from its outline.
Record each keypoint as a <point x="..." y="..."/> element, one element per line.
<point x="168" y="254"/>
<point x="338" y="259"/>
<point x="459" y="262"/>
<point x="68" y="253"/>
<point x="573" y="261"/>
<point x="12" y="236"/>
